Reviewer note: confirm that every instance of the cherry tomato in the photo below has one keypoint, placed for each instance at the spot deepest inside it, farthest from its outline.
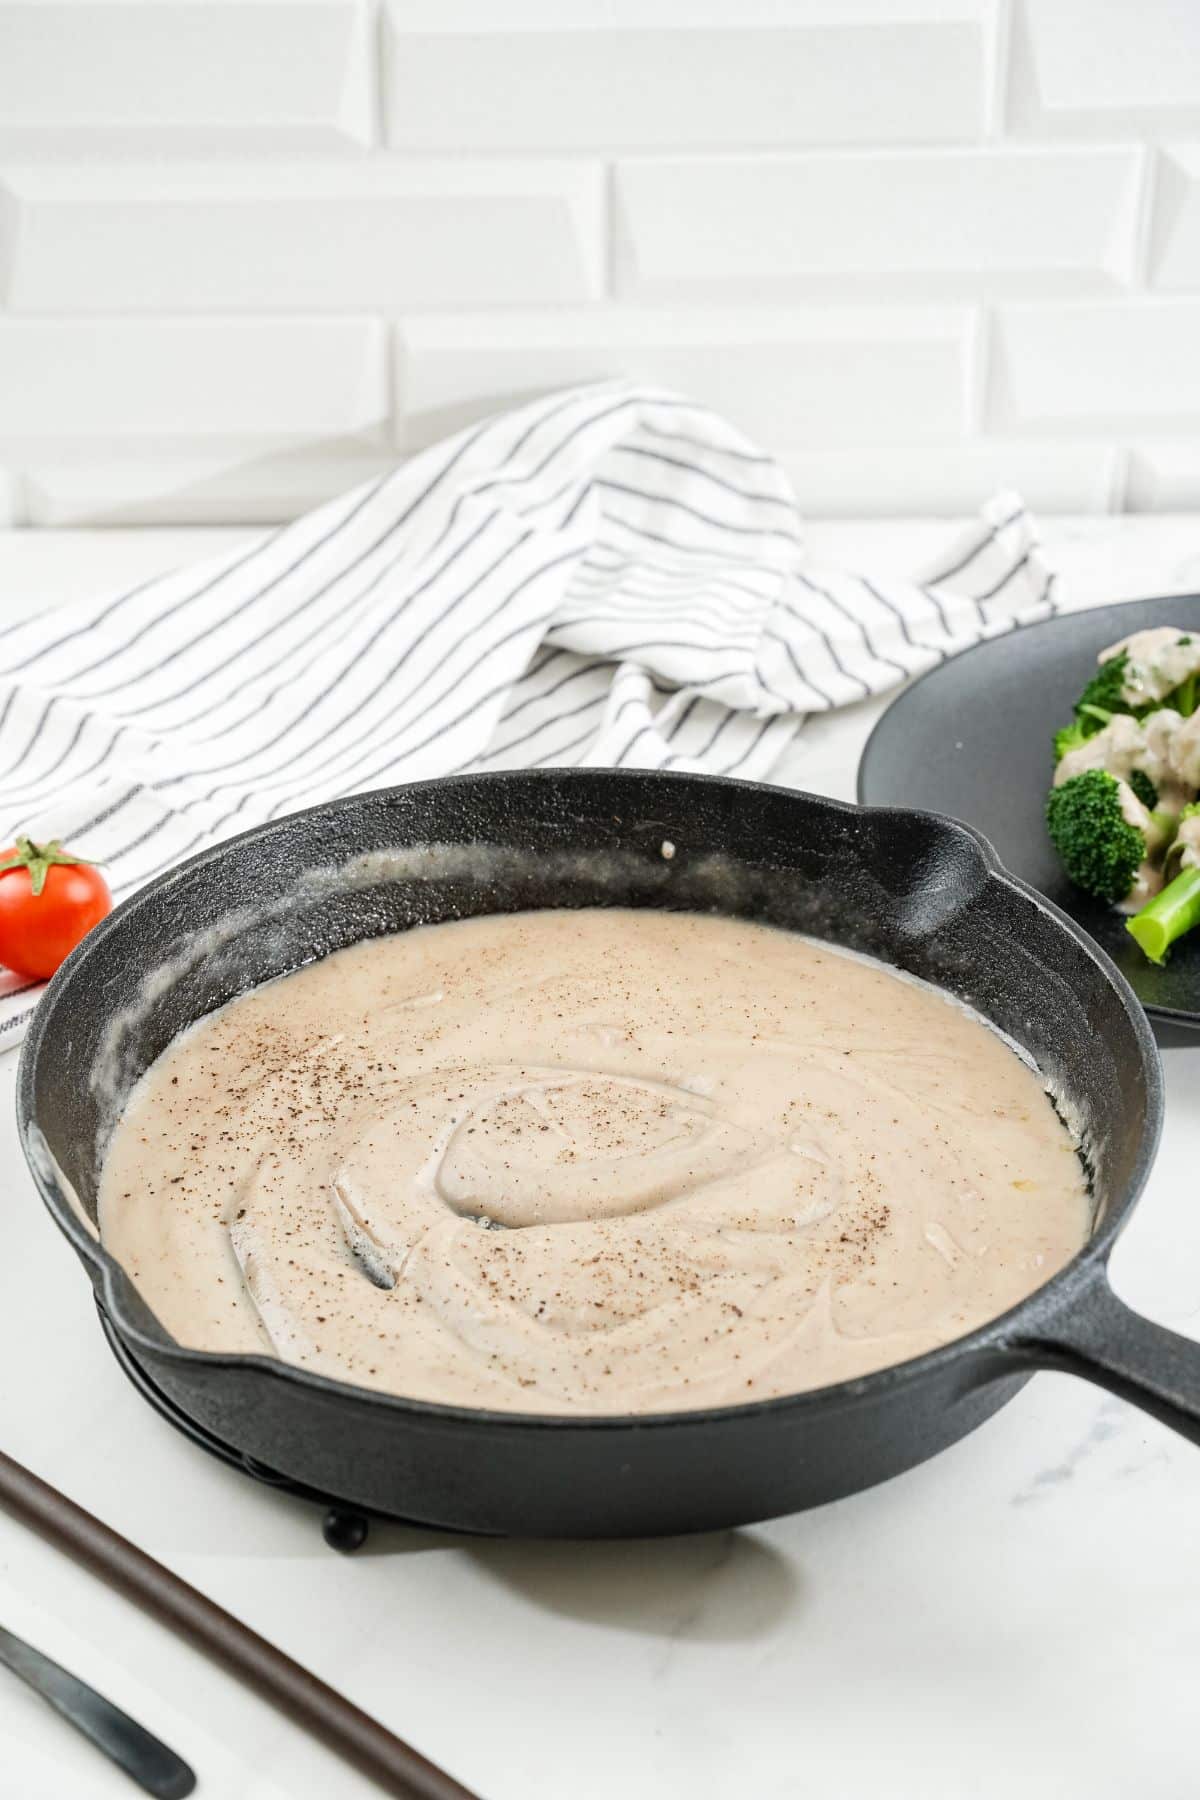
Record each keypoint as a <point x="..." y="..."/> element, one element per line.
<point x="49" y="899"/>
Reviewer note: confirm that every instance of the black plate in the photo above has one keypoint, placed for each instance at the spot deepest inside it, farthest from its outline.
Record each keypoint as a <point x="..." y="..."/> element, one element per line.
<point x="973" y="738"/>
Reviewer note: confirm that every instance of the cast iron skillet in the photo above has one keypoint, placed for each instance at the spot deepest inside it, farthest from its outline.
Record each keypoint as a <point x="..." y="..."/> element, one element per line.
<point x="915" y="889"/>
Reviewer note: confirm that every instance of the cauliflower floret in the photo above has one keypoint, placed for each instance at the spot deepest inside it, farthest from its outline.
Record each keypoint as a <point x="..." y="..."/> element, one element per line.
<point x="1159" y="659"/>
<point x="1125" y="745"/>
<point x="1185" y="753"/>
<point x="1189" y="838"/>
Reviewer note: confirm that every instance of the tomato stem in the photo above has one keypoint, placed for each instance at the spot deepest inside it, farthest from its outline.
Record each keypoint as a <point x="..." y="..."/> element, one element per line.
<point x="38" y="859"/>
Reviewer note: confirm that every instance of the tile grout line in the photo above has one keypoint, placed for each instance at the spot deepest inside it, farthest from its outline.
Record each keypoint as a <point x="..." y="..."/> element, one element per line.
<point x="608" y="225"/>
<point x="377" y="32"/>
<point x="1145" y="202"/>
<point x="980" y="374"/>
<point x="995" y="115"/>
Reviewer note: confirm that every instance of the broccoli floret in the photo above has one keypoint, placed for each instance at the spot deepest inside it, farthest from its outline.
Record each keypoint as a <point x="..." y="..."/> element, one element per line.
<point x="1100" y="699"/>
<point x="1105" y="691"/>
<point x="1071" y="737"/>
<point x="1183" y="698"/>
<point x="1100" y="850"/>
<point x="1144" y="788"/>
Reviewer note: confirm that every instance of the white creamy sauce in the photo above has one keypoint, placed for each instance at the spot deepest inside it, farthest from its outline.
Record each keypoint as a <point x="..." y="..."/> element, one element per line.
<point x="1159" y="660"/>
<point x="1163" y="747"/>
<point x="1187" y="844"/>
<point x="1149" y="878"/>
<point x="595" y="1161"/>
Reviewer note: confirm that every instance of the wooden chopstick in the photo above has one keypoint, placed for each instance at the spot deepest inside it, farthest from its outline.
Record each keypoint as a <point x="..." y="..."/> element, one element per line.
<point x="391" y="1763"/>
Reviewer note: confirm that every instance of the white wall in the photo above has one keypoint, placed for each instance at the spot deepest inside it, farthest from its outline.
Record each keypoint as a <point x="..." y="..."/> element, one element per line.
<point x="252" y="249"/>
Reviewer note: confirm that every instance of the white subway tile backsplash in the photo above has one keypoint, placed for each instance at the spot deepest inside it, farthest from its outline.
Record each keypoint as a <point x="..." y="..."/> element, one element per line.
<point x="1097" y="366"/>
<point x="861" y="482"/>
<point x="1164" y="478"/>
<point x="188" y="237"/>
<point x="952" y="221"/>
<point x="1175" y="224"/>
<point x="920" y="248"/>
<point x="1104" y="68"/>
<point x="271" y="379"/>
<point x="155" y="74"/>
<point x="804" y="376"/>
<point x="585" y="75"/>
<point x="183" y="485"/>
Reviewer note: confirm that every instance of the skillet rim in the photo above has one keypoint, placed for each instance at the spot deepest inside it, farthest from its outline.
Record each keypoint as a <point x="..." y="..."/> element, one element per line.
<point x="996" y="1336"/>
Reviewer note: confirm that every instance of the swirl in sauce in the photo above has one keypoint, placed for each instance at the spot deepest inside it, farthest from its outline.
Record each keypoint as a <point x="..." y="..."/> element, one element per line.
<point x="599" y="1161"/>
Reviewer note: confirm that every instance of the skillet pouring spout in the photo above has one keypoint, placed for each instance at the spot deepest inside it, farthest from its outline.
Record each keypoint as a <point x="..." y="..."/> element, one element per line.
<point x="914" y="890"/>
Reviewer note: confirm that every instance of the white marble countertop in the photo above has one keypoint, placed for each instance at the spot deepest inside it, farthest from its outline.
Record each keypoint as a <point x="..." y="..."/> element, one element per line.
<point x="1020" y="1615"/>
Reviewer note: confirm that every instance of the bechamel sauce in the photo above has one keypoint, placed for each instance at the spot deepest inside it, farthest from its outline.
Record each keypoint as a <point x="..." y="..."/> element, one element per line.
<point x="595" y="1161"/>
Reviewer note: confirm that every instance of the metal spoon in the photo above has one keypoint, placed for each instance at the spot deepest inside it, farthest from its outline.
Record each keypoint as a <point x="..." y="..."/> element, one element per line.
<point x="143" y="1757"/>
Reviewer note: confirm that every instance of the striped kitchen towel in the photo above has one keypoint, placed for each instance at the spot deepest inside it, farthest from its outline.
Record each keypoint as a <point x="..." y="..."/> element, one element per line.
<point x="609" y="576"/>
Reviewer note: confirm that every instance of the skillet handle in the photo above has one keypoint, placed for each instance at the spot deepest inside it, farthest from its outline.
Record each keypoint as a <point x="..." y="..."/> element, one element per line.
<point x="1097" y="1336"/>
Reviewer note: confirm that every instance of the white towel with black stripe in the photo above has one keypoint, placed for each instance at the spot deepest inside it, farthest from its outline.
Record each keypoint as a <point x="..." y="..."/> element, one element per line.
<point x="609" y="576"/>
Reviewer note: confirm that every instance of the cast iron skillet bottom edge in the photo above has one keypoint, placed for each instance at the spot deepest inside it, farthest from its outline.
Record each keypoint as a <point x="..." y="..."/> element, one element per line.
<point x="345" y="1523"/>
<point x="347" y="1517"/>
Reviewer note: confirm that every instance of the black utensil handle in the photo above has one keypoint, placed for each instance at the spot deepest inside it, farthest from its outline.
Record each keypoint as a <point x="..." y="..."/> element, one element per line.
<point x="1097" y="1336"/>
<point x="309" y="1702"/>
<point x="145" y="1758"/>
